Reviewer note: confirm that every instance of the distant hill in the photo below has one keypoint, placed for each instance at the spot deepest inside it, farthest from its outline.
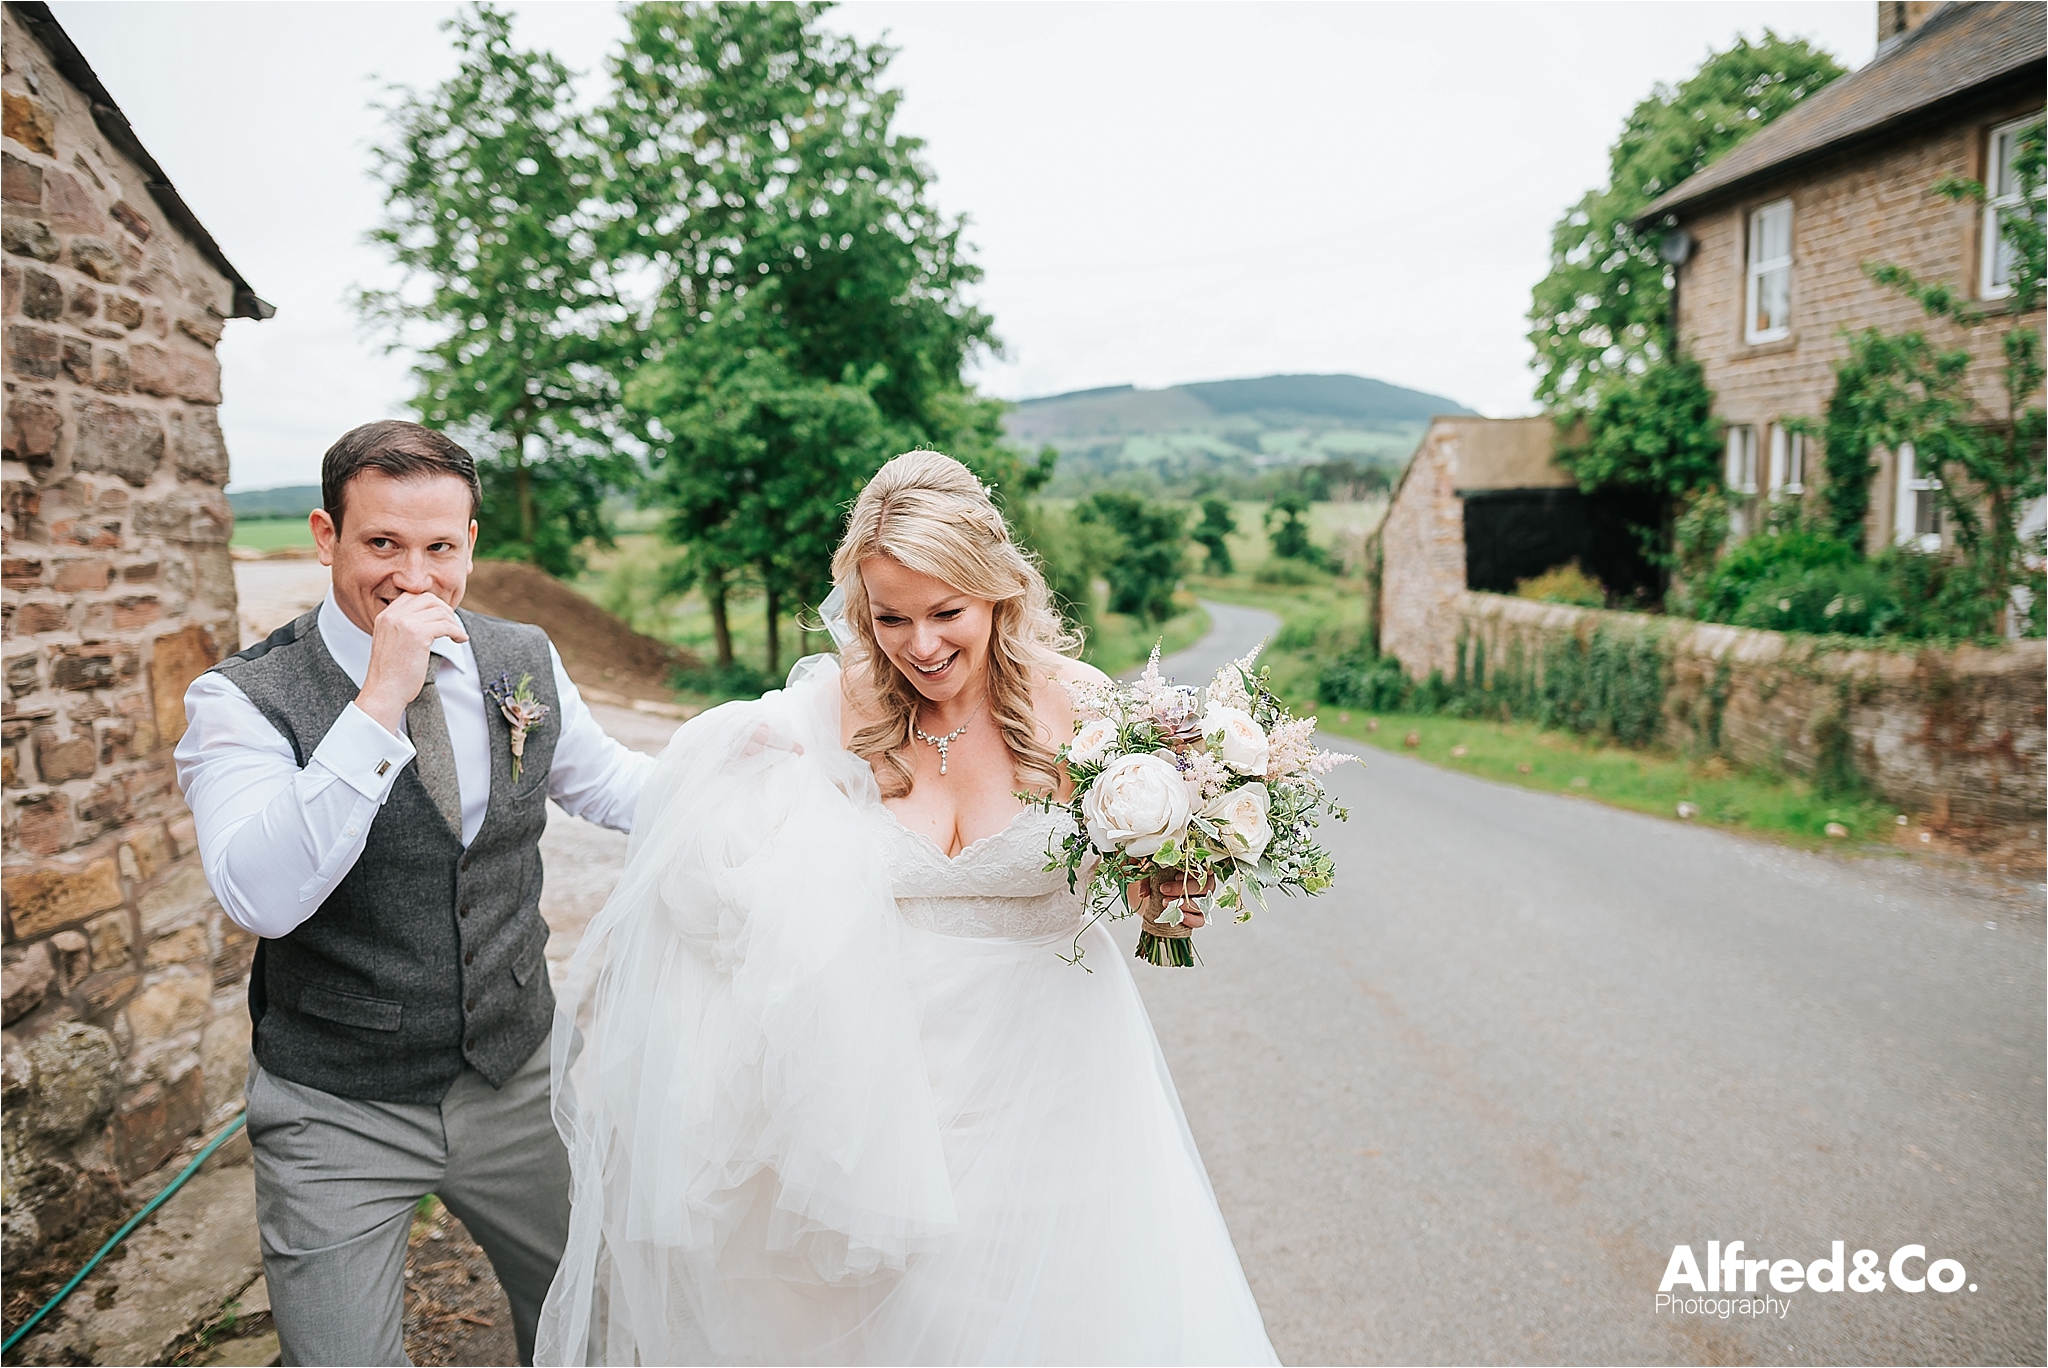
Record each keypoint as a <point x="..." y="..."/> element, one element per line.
<point x="1171" y="439"/>
<point x="291" y="501"/>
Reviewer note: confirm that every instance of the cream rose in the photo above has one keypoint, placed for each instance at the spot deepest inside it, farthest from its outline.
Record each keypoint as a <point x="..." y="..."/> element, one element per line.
<point x="1239" y="739"/>
<point x="1137" y="804"/>
<point x="1242" y="820"/>
<point x="1092" y="742"/>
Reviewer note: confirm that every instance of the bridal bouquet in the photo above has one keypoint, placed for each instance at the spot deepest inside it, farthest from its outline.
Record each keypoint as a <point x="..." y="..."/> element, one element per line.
<point x="1228" y="794"/>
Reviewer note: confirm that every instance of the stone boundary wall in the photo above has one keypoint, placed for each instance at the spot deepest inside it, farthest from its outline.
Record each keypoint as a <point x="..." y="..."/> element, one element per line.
<point x="125" y="1030"/>
<point x="1953" y="733"/>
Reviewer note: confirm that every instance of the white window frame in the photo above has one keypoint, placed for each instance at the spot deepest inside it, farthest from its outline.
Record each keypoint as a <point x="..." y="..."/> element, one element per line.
<point x="1759" y="267"/>
<point x="1788" y="462"/>
<point x="1997" y="203"/>
<point x="1913" y="488"/>
<point x="1741" y="468"/>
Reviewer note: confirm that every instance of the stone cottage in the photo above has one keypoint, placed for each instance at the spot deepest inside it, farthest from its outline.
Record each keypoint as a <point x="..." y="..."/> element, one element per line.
<point x="125" y="1030"/>
<point x="1772" y="239"/>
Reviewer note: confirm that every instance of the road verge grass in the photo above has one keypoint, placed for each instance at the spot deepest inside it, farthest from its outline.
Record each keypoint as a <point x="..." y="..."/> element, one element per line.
<point x="1118" y="643"/>
<point x="1327" y="617"/>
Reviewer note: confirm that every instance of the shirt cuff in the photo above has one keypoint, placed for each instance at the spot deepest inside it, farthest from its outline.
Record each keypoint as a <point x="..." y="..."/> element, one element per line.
<point x="359" y="752"/>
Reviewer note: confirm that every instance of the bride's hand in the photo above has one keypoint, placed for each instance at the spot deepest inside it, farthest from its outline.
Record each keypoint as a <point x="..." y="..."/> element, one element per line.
<point x="1153" y="896"/>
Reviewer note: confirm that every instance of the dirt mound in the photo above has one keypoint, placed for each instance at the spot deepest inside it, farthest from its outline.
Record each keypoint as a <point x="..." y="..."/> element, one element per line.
<point x="601" y="652"/>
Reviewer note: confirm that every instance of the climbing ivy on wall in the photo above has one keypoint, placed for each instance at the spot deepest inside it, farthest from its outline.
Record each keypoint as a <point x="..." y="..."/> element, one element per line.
<point x="1896" y="389"/>
<point x="1611" y="683"/>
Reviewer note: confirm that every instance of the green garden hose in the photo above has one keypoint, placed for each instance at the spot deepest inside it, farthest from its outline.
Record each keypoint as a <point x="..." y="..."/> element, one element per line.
<point x="21" y="1331"/>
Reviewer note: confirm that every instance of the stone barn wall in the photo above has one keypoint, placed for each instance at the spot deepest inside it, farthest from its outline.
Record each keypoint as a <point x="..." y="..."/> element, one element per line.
<point x="1421" y="554"/>
<point x="125" y="1030"/>
<point x="1419" y="546"/>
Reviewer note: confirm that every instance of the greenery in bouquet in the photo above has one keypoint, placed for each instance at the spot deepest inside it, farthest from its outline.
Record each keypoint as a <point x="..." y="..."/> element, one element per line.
<point x="1224" y="792"/>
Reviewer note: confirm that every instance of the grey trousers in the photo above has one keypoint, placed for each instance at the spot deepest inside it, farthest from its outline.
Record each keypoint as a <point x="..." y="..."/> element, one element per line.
<point x="337" y="1181"/>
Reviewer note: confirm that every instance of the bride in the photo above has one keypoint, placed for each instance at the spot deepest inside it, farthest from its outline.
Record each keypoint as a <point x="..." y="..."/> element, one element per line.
<point x="830" y="1093"/>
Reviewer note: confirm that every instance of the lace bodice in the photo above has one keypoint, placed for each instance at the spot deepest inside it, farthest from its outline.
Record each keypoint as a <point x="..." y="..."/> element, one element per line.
<point x="999" y="886"/>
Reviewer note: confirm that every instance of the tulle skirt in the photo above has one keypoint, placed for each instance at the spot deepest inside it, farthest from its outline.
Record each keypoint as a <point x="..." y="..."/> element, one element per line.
<point x="1087" y="1232"/>
<point x="803" y="1131"/>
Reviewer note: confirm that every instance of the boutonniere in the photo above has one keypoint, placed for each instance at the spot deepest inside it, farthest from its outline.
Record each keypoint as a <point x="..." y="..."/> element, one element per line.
<point x="521" y="709"/>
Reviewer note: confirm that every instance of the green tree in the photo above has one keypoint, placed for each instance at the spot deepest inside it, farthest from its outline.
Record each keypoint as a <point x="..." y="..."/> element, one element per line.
<point x="1216" y="525"/>
<point x="774" y="462"/>
<point x="805" y="279"/>
<point x="1287" y="529"/>
<point x="1145" y="551"/>
<point x="1607" y="359"/>
<point x="507" y="299"/>
<point x="1603" y="314"/>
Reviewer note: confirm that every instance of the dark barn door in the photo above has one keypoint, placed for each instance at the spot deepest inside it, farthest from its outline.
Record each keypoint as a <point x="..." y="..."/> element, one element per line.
<point x="1515" y="534"/>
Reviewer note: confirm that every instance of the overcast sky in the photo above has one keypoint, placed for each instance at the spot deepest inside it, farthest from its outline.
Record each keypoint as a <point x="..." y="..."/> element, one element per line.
<point x="1159" y="192"/>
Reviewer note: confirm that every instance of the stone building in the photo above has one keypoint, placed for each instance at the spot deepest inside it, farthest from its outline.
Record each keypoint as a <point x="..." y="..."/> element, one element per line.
<point x="1775" y="236"/>
<point x="1483" y="506"/>
<point x="125" y="1030"/>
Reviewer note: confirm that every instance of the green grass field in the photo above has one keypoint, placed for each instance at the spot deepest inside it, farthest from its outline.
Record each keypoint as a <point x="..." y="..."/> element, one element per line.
<point x="1121" y="643"/>
<point x="270" y="534"/>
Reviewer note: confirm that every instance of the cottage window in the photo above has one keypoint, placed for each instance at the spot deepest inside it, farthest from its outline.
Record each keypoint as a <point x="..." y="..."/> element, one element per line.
<point x="2002" y="202"/>
<point x="1788" y="461"/>
<point x="1742" y="459"/>
<point x="1916" y="513"/>
<point x="1770" y="273"/>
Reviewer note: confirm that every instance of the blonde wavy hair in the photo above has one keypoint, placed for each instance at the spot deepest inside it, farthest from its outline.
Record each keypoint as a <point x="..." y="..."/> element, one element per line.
<point x="927" y="512"/>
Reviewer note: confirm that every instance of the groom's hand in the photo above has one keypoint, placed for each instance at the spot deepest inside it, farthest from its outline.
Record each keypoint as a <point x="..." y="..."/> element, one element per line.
<point x="399" y="647"/>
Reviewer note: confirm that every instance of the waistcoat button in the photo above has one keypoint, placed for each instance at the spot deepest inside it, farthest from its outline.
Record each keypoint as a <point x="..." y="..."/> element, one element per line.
<point x="464" y="912"/>
<point x="469" y="1006"/>
<point x="465" y="863"/>
<point x="469" y="958"/>
<point x="469" y="1044"/>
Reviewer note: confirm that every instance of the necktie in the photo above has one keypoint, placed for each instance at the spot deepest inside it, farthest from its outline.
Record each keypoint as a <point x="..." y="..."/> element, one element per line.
<point x="435" y="753"/>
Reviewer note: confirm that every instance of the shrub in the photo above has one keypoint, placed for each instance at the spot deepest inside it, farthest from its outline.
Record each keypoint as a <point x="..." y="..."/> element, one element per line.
<point x="1217" y="524"/>
<point x="1800" y="580"/>
<point x="1070" y="556"/>
<point x="1288" y="574"/>
<point x="1359" y="680"/>
<point x="1766" y="557"/>
<point x="1147" y="545"/>
<point x="1858" y="599"/>
<point x="1563" y="584"/>
<point x="1287" y="529"/>
<point x="1612" y="683"/>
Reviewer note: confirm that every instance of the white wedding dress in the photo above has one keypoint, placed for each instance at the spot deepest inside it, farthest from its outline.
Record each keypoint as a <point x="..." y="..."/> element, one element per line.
<point x="833" y="1097"/>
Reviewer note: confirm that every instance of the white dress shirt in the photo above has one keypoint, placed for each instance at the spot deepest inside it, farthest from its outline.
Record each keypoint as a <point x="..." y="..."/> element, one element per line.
<point x="275" y="839"/>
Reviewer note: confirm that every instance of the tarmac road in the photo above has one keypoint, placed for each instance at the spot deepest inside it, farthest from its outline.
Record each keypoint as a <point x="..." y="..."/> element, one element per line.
<point x="1462" y="1108"/>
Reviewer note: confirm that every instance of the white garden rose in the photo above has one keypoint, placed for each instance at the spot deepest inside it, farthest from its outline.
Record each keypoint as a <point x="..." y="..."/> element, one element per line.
<point x="1242" y="817"/>
<point x="1238" y="737"/>
<point x="1137" y="804"/>
<point x="1092" y="742"/>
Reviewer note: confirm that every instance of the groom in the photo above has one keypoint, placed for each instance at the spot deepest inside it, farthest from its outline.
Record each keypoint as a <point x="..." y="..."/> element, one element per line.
<point x="362" y="808"/>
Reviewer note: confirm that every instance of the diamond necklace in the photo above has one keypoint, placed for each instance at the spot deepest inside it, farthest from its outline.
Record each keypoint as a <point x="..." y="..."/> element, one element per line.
<point x="941" y="741"/>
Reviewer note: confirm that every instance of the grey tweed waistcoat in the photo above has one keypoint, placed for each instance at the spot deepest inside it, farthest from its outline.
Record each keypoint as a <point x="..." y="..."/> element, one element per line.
<point x="427" y="955"/>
